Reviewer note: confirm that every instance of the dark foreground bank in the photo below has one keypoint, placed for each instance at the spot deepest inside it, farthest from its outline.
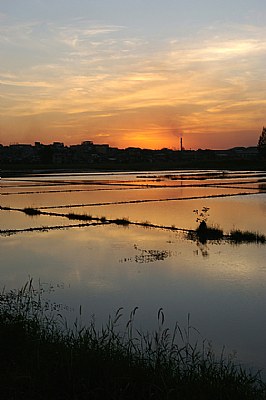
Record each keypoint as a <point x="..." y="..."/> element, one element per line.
<point x="23" y="168"/>
<point x="41" y="358"/>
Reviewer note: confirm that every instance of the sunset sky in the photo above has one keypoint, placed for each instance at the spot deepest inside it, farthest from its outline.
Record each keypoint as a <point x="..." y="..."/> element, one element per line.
<point x="133" y="72"/>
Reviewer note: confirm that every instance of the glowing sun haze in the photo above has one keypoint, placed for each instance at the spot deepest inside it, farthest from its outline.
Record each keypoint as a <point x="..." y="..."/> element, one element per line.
<point x="133" y="73"/>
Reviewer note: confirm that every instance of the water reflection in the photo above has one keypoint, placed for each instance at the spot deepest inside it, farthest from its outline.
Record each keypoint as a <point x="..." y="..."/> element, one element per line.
<point x="203" y="249"/>
<point x="104" y="267"/>
<point x="148" y="256"/>
<point x="262" y="187"/>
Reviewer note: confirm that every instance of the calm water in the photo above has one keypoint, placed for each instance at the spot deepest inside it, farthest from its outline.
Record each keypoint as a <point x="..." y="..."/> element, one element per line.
<point x="104" y="267"/>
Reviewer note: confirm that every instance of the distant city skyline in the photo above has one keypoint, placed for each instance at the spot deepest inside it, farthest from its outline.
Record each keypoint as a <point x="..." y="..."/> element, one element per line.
<point x="89" y="154"/>
<point x="88" y="142"/>
<point x="133" y="73"/>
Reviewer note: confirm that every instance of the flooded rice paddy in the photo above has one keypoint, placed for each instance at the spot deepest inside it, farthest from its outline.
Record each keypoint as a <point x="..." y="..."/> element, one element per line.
<point x="103" y="266"/>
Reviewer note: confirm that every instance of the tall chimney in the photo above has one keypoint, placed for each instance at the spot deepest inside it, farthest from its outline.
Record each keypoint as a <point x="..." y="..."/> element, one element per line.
<point x="181" y="144"/>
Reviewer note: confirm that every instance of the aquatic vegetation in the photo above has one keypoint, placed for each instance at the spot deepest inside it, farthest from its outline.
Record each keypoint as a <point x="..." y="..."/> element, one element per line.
<point x="80" y="217"/>
<point x="237" y="236"/>
<point x="44" y="358"/>
<point x="147" y="256"/>
<point x="146" y="224"/>
<point x="9" y="232"/>
<point x="209" y="233"/>
<point x="203" y="232"/>
<point x="121" y="221"/>
<point x="5" y="208"/>
<point x="31" y="211"/>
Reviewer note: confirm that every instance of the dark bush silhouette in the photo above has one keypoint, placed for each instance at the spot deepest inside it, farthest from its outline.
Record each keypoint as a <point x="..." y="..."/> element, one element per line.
<point x="262" y="143"/>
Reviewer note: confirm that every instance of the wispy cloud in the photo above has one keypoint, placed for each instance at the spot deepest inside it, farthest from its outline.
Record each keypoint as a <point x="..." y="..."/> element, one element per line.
<point x="25" y="84"/>
<point x="74" y="37"/>
<point x="93" y="72"/>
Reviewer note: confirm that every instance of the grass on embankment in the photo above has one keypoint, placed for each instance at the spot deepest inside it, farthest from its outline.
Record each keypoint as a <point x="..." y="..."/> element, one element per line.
<point x="42" y="359"/>
<point x="234" y="236"/>
<point x="203" y="233"/>
<point x="238" y="236"/>
<point x="31" y="211"/>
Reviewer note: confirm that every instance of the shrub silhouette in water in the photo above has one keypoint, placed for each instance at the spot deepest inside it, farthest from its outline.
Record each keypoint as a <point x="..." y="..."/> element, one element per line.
<point x="31" y="211"/>
<point x="204" y="232"/>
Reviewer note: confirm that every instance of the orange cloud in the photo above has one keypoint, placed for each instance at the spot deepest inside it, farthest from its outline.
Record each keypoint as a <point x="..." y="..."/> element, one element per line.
<point x="119" y="90"/>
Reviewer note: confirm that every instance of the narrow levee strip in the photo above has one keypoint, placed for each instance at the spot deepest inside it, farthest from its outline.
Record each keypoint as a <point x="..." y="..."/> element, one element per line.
<point x="202" y="235"/>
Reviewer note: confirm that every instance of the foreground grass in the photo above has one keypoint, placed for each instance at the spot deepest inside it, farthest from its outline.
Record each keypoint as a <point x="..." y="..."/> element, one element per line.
<point x="43" y="359"/>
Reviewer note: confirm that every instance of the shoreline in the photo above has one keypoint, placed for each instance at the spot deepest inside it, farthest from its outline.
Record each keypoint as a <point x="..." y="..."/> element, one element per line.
<point x="113" y="169"/>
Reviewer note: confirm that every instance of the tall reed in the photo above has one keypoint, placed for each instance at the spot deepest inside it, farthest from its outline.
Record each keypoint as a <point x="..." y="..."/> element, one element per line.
<point x="42" y="357"/>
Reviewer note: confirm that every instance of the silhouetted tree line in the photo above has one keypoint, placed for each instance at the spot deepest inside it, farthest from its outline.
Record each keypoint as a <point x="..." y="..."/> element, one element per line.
<point x="262" y="143"/>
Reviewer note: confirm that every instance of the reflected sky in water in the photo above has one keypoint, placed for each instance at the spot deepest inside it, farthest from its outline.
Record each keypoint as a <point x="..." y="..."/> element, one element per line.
<point x="105" y="267"/>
